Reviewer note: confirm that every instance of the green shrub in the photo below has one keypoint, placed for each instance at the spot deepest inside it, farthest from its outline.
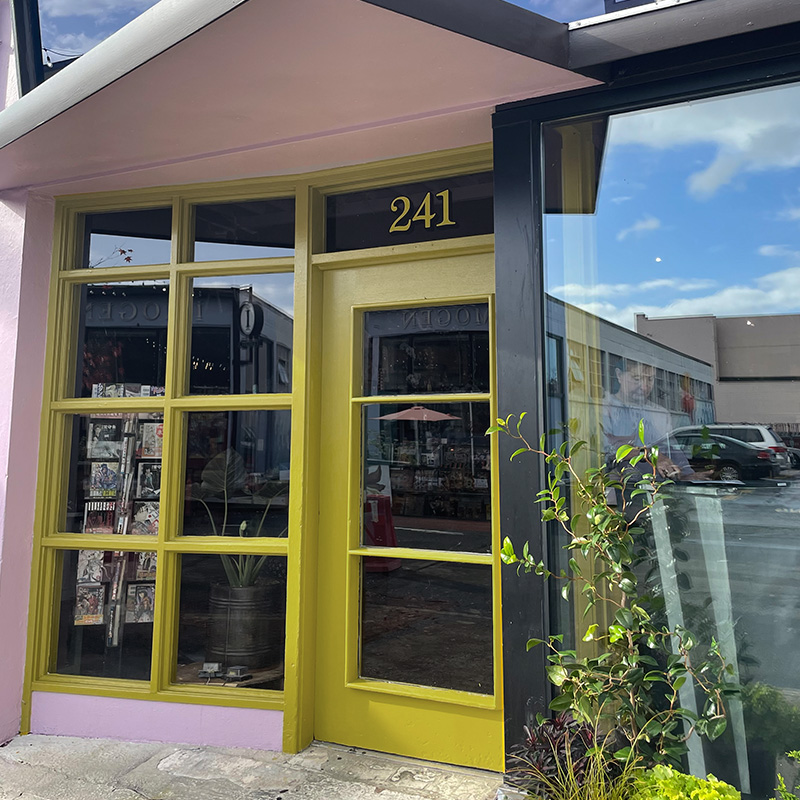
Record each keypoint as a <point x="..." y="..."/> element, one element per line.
<point x="781" y="788"/>
<point x="666" y="783"/>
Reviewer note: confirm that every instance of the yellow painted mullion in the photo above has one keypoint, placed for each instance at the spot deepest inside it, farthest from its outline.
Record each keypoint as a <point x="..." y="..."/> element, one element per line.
<point x="165" y="620"/>
<point x="145" y="272"/>
<point x="231" y="402"/>
<point x="232" y="696"/>
<point x="452" y="696"/>
<point x="300" y="640"/>
<point x="242" y="266"/>
<point x="227" y="544"/>
<point x="420" y="399"/>
<point x="494" y="461"/>
<point x="108" y="405"/>
<point x="93" y="541"/>
<point x="417" y="554"/>
<point x="404" y="253"/>
<point x="182" y="232"/>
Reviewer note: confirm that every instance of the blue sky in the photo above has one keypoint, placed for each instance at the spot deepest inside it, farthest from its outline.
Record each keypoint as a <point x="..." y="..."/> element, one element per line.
<point x="74" y="26"/>
<point x="698" y="213"/>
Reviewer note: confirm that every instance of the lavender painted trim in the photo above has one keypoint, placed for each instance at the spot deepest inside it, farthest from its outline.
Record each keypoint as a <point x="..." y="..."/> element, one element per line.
<point x="149" y="721"/>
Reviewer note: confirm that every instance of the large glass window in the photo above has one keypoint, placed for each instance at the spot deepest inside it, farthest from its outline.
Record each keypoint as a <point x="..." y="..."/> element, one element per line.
<point x="144" y="481"/>
<point x="671" y="271"/>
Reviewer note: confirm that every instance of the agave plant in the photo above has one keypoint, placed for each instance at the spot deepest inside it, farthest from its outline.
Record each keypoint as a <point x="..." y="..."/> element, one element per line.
<point x="223" y="477"/>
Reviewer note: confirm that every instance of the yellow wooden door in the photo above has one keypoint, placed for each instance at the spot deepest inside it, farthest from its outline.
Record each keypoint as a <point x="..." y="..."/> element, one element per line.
<point x="408" y="616"/>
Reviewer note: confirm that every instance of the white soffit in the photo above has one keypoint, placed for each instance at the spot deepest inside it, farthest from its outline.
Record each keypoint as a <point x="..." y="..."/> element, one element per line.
<point x="270" y="75"/>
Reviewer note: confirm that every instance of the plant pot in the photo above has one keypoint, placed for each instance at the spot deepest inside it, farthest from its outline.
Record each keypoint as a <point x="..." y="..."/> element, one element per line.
<point x="245" y="626"/>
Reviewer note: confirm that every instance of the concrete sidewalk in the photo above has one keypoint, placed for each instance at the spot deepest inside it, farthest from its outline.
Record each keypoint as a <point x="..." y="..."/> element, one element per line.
<point x="65" y="768"/>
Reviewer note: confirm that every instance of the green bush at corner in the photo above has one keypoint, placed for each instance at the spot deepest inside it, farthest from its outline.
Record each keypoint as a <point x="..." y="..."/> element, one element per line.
<point x="665" y="783"/>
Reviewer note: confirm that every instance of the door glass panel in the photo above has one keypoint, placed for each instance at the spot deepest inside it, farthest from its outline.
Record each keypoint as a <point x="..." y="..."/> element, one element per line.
<point x="427" y="623"/>
<point x="426" y="476"/>
<point x="430" y="349"/>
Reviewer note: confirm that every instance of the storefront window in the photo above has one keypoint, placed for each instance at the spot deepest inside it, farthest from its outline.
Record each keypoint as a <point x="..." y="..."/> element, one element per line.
<point x="106" y="608"/>
<point x="126" y="238"/>
<point x="237" y="473"/>
<point x="232" y="619"/>
<point x="115" y="474"/>
<point x="250" y="229"/>
<point x="242" y="327"/>
<point x="140" y="469"/>
<point x="671" y="253"/>
<point x="122" y="339"/>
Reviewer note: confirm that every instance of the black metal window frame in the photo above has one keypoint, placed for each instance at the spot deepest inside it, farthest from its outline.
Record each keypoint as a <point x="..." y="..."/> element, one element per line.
<point x="520" y="318"/>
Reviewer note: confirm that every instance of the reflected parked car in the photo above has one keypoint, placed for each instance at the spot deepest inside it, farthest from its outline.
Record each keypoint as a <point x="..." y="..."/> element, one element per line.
<point x="759" y="435"/>
<point x="725" y="458"/>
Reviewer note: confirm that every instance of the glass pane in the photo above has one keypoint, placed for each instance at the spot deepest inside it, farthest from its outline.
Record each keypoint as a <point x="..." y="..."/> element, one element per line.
<point x="430" y="349"/>
<point x="242" y="329"/>
<point x="676" y="305"/>
<point x="114" y="474"/>
<point x="122" y="339"/>
<point x="105" y="626"/>
<point x="427" y="623"/>
<point x="252" y="229"/>
<point x="426" y="477"/>
<point x="445" y="208"/>
<point x="127" y="238"/>
<point x="232" y="619"/>
<point x="237" y="473"/>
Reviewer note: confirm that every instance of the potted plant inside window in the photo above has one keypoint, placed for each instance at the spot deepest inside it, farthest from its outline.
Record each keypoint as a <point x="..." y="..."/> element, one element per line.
<point x="246" y="612"/>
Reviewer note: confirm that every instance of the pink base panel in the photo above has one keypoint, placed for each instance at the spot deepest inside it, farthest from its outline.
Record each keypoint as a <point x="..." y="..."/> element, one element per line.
<point x="148" y="721"/>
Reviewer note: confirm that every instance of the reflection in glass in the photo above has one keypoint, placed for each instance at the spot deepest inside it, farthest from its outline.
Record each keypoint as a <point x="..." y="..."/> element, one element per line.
<point x="427" y="349"/>
<point x="122" y="339"/>
<point x="105" y="626"/>
<point x="232" y="619"/>
<point x="237" y="473"/>
<point x="127" y="238"/>
<point x="250" y="229"/>
<point x="115" y="474"/>
<point x="426" y="476"/>
<point x="428" y="623"/>
<point x="676" y="305"/>
<point x="242" y="330"/>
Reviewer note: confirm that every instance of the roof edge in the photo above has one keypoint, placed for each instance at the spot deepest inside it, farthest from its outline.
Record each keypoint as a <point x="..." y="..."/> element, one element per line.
<point x="668" y="27"/>
<point x="150" y="34"/>
<point x="493" y="22"/>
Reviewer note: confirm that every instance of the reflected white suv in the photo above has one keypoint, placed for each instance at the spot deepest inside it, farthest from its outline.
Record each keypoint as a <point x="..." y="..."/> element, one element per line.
<point x="759" y="435"/>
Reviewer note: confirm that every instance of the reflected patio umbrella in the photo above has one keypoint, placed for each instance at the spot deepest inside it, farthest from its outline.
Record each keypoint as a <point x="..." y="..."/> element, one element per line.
<point x="418" y="414"/>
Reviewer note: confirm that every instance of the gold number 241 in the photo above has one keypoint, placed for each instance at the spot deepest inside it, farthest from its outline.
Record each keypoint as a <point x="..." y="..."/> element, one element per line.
<point x="402" y="206"/>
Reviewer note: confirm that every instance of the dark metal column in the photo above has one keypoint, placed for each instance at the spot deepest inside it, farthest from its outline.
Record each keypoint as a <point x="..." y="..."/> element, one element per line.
<point x="520" y="357"/>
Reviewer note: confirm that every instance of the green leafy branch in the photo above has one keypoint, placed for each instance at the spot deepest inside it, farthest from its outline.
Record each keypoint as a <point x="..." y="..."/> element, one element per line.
<point x="633" y="685"/>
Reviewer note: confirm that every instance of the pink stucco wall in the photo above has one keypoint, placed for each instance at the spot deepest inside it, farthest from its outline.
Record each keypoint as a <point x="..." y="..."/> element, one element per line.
<point x="26" y="224"/>
<point x="148" y="721"/>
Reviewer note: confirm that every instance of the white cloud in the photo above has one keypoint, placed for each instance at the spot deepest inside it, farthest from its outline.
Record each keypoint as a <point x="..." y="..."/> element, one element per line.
<point x="773" y="293"/>
<point x="93" y="8"/>
<point x="621" y="199"/>
<point x="641" y="226"/>
<point x="778" y="251"/>
<point x="754" y="132"/>
<point x="789" y="214"/>
<point x="575" y="292"/>
<point x="74" y="43"/>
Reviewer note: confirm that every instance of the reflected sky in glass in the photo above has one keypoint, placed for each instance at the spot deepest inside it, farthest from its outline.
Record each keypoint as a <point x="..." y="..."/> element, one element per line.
<point x="698" y="213"/>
